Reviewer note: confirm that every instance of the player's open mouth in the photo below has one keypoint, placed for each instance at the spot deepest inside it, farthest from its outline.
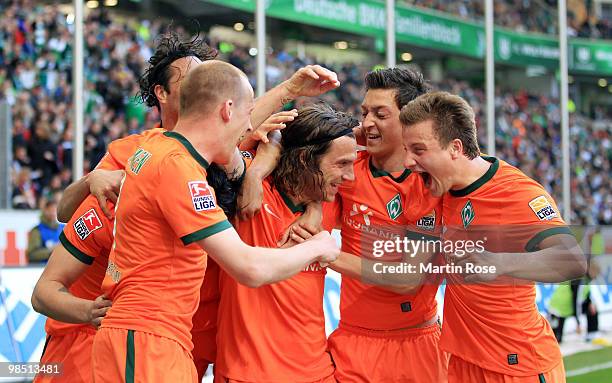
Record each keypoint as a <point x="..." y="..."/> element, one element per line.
<point x="372" y="136"/>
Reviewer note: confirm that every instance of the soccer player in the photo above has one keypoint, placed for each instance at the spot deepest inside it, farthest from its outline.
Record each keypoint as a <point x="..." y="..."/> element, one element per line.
<point x="166" y="214"/>
<point x="386" y="332"/>
<point x="493" y="331"/>
<point x="276" y="333"/>
<point x="56" y="296"/>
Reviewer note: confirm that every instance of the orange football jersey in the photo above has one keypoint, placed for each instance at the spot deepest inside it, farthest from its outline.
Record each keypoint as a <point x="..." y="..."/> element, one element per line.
<point x="497" y="325"/>
<point x="274" y="333"/>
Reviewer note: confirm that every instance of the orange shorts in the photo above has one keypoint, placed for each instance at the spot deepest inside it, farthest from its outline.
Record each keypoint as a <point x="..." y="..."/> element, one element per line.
<point x="222" y="379"/>
<point x="460" y="371"/>
<point x="121" y="355"/>
<point x="204" y="350"/>
<point x="73" y="351"/>
<point x="410" y="355"/>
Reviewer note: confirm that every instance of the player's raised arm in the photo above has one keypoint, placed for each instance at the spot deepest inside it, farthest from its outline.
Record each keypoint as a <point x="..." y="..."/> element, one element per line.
<point x="251" y="190"/>
<point x="309" y="81"/>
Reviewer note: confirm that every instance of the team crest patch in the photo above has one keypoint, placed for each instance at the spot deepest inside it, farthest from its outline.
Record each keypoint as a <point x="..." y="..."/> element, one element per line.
<point x="202" y="196"/>
<point x="394" y="207"/>
<point x="87" y="224"/>
<point x="467" y="214"/>
<point x="542" y="208"/>
<point x="137" y="161"/>
<point x="427" y="222"/>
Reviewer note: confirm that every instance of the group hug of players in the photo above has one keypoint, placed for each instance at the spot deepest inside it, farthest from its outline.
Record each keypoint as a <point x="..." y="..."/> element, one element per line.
<point x="181" y="250"/>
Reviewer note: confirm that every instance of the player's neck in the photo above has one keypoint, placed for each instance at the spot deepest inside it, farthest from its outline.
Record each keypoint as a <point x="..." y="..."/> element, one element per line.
<point x="471" y="171"/>
<point x="389" y="163"/>
<point x="168" y="122"/>
<point x="199" y="138"/>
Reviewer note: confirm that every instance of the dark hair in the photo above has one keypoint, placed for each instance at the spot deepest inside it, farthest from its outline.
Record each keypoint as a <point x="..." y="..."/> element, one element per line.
<point x="169" y="49"/>
<point x="298" y="165"/>
<point x="452" y="116"/>
<point x="226" y="191"/>
<point x="408" y="84"/>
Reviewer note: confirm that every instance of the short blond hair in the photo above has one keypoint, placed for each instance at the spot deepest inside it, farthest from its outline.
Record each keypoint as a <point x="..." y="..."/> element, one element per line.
<point x="209" y="83"/>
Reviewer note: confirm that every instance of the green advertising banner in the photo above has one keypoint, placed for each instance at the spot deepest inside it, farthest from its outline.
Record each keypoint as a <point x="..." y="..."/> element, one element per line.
<point x="436" y="31"/>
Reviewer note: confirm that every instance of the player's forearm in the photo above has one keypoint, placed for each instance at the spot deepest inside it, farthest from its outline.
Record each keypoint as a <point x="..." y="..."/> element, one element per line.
<point x="266" y="157"/>
<point x="72" y="198"/>
<point x="550" y="265"/>
<point x="269" y="103"/>
<point x="52" y="299"/>
<point x="236" y="168"/>
<point x="376" y="273"/>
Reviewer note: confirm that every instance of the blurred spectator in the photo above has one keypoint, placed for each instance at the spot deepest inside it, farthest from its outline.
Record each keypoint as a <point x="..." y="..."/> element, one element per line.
<point x="45" y="236"/>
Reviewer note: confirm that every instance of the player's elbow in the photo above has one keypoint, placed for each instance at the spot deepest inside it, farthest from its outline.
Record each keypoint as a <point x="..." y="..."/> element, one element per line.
<point x="579" y="267"/>
<point x="253" y="276"/>
<point x="36" y="301"/>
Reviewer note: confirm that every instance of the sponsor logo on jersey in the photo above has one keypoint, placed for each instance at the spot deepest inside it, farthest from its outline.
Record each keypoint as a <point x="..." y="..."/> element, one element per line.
<point x="467" y="214"/>
<point x="427" y="222"/>
<point x="394" y="207"/>
<point x="113" y="272"/>
<point x="138" y="159"/>
<point x="87" y="224"/>
<point x="202" y="196"/>
<point x="362" y="209"/>
<point x="542" y="208"/>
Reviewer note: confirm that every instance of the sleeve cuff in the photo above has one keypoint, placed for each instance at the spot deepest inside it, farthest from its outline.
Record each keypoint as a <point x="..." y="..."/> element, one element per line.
<point x="206" y="232"/>
<point x="78" y="254"/>
<point x="534" y="242"/>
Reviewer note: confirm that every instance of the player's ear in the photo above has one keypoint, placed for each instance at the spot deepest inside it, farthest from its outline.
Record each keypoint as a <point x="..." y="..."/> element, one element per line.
<point x="456" y="148"/>
<point x="160" y="93"/>
<point x="226" y="110"/>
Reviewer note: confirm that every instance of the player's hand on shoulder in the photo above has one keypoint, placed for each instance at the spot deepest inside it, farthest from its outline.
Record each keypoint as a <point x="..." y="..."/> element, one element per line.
<point x="105" y="186"/>
<point x="99" y="307"/>
<point x="310" y="81"/>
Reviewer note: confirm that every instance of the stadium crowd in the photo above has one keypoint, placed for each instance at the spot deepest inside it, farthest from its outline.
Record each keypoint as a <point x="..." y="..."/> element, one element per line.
<point x="35" y="77"/>
<point x="527" y="15"/>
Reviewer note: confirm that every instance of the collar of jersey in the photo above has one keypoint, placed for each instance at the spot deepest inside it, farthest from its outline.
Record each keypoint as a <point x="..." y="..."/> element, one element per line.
<point x="194" y="153"/>
<point x="382" y="173"/>
<point x="479" y="182"/>
<point x="293" y="207"/>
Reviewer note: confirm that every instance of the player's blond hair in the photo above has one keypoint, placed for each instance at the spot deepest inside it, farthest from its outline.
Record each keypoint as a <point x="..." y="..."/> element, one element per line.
<point x="453" y="118"/>
<point x="208" y="84"/>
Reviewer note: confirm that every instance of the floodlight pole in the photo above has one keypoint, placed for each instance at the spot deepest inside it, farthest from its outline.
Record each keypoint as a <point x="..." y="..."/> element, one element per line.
<point x="260" y="26"/>
<point x="78" y="87"/>
<point x="391" y="34"/>
<point x="490" y="76"/>
<point x="563" y="75"/>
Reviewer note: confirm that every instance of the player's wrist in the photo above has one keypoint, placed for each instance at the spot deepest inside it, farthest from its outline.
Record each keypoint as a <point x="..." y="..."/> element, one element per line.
<point x="287" y="93"/>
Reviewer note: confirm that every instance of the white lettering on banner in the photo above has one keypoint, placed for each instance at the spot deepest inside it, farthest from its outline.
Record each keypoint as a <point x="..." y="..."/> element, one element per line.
<point x="332" y="10"/>
<point x="416" y="26"/>
<point x="373" y="17"/>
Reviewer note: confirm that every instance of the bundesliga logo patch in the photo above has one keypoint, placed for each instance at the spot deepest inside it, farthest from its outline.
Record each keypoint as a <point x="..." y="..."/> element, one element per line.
<point x="427" y="222"/>
<point x="87" y="223"/>
<point x="201" y="196"/>
<point x="542" y="208"/>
